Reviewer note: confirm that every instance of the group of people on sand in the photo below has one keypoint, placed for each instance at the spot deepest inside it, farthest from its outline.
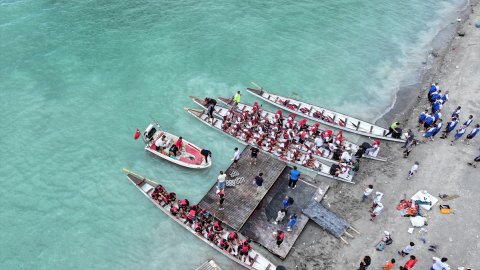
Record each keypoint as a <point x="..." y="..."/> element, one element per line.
<point x="432" y="123"/>
<point x="204" y="224"/>
<point x="291" y="140"/>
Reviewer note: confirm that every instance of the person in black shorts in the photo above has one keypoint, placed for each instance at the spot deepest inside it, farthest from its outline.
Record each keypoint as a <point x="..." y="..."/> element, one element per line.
<point x="254" y="154"/>
<point x="206" y="153"/>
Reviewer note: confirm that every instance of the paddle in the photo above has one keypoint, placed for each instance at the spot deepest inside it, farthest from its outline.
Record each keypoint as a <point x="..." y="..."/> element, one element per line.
<point x="256" y="85"/>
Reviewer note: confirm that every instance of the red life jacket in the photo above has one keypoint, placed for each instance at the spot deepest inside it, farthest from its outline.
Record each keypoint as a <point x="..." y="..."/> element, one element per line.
<point x="192" y="214"/>
<point x="183" y="202"/>
<point x="281" y="236"/>
<point x="245" y="248"/>
<point x="232" y="236"/>
<point x="137" y="134"/>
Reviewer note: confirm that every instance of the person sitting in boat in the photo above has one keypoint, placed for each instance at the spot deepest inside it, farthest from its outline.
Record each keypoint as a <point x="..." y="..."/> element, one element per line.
<point x="278" y="151"/>
<point x="339" y="138"/>
<point x="346" y="157"/>
<point x="303" y="137"/>
<point x="197" y="227"/>
<point x="169" y="198"/>
<point x="313" y="132"/>
<point x="373" y="149"/>
<point x="179" y="143"/>
<point x="225" y="245"/>
<point x="158" y="191"/>
<point x="211" y="236"/>
<point x="335" y="170"/>
<point x="233" y="238"/>
<point x="161" y="143"/>
<point x="184" y="204"/>
<point x="173" y="152"/>
<point x="174" y="210"/>
<point x="302" y="124"/>
<point x="217" y="226"/>
<point x="327" y="135"/>
<point x="244" y="249"/>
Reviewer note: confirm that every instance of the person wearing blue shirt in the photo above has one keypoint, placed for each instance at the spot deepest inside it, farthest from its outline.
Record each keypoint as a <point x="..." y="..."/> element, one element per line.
<point x="422" y="117"/>
<point x="432" y="89"/>
<point x="292" y="222"/>
<point x="468" y="121"/>
<point x="294" y="176"/>
<point x="450" y="127"/>
<point x="473" y="133"/>
<point x="428" y="122"/>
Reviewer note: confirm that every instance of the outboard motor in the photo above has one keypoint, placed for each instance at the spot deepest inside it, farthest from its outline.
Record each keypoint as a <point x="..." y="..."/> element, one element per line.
<point x="148" y="133"/>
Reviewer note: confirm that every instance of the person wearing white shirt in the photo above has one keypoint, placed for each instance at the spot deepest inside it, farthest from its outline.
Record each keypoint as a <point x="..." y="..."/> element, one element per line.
<point x="367" y="192"/>
<point x="236" y="157"/>
<point x="440" y="264"/>
<point x="221" y="180"/>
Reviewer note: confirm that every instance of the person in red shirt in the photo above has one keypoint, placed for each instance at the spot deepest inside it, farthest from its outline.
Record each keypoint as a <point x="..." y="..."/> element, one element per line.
<point x="389" y="265"/>
<point x="410" y="263"/>
<point x="179" y="143"/>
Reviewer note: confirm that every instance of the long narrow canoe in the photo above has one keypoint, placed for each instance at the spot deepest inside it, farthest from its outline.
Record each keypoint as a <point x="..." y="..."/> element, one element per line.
<point x="147" y="186"/>
<point x="265" y="113"/>
<point x="318" y="166"/>
<point x="324" y="116"/>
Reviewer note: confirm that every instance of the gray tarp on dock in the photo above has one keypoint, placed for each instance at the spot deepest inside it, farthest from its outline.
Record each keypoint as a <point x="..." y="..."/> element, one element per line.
<point x="326" y="219"/>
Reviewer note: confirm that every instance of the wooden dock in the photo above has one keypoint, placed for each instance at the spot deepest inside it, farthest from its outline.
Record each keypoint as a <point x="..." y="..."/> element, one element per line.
<point x="209" y="265"/>
<point x="242" y="200"/>
<point x="260" y="226"/>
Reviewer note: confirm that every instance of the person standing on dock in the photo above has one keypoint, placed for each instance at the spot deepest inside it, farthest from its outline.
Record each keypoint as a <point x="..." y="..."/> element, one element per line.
<point x="236" y="157"/>
<point x="259" y="183"/>
<point x="221" y="180"/>
<point x="279" y="236"/>
<point x="294" y="176"/>
<point x="236" y="98"/>
<point x="394" y="130"/>
<point x="280" y="215"/>
<point x="292" y="222"/>
<point x="254" y="152"/>
<point x="221" y="196"/>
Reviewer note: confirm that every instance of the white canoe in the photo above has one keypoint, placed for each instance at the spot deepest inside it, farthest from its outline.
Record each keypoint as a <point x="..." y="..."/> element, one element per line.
<point x="189" y="156"/>
<point x="324" y="116"/>
<point x="318" y="166"/>
<point x="147" y="186"/>
<point x="354" y="147"/>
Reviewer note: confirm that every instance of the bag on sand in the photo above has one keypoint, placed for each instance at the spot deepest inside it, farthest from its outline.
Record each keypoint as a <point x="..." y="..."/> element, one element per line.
<point x="380" y="246"/>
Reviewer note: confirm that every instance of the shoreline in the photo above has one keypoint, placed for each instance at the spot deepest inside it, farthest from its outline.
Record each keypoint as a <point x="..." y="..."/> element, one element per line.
<point x="407" y="96"/>
<point x="316" y="249"/>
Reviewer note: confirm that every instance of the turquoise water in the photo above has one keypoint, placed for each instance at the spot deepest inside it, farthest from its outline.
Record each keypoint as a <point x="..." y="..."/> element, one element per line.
<point x="77" y="78"/>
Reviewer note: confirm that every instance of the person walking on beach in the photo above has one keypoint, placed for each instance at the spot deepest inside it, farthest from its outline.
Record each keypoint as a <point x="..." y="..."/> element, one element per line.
<point x="294" y="176"/>
<point x="410" y="138"/>
<point x="410" y="263"/>
<point x="458" y="135"/>
<point x="365" y="263"/>
<point x="389" y="265"/>
<point x="438" y="127"/>
<point x="376" y="211"/>
<point x="253" y="155"/>
<point x="221" y="196"/>
<point x="456" y="113"/>
<point x="421" y="119"/>
<point x="236" y="157"/>
<point x="280" y="215"/>
<point x="450" y="127"/>
<point x="259" y="183"/>
<point x="366" y="193"/>
<point x="428" y="122"/>
<point x="476" y="160"/>
<point x="291" y="223"/>
<point x="433" y="88"/>
<point x="409" y="148"/>
<point x="472" y="134"/>
<point x="407" y="250"/>
<point x="413" y="170"/>
<point x="440" y="264"/>
<point x="468" y="121"/>
<point x="394" y="130"/>
<point x="376" y="200"/>
<point x="221" y="180"/>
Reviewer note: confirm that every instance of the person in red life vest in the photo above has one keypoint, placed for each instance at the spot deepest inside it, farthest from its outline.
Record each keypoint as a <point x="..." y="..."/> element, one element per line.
<point x="179" y="143"/>
<point x="211" y="236"/>
<point x="225" y="245"/>
<point x="137" y="134"/>
<point x="280" y="235"/>
<point x="303" y="137"/>
<point x="158" y="193"/>
<point x="184" y="204"/>
<point x="302" y="124"/>
<point x="410" y="263"/>
<point x="217" y="226"/>
<point x="169" y="198"/>
<point x="221" y="195"/>
<point x="314" y="129"/>
<point x="191" y="216"/>
<point x="198" y="228"/>
<point x="174" y="211"/>
<point x="244" y="249"/>
<point x="339" y="139"/>
<point x="327" y="135"/>
<point x="233" y="238"/>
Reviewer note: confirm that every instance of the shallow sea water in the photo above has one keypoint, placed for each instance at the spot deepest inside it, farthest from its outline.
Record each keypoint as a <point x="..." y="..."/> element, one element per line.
<point x="77" y="78"/>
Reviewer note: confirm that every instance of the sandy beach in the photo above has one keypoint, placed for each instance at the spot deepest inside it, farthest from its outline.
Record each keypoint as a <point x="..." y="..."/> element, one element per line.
<point x="443" y="169"/>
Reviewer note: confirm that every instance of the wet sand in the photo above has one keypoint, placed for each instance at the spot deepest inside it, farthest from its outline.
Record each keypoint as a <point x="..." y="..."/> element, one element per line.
<point x="443" y="169"/>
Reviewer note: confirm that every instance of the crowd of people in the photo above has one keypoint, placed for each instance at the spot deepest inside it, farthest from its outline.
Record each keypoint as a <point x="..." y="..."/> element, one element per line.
<point x="204" y="224"/>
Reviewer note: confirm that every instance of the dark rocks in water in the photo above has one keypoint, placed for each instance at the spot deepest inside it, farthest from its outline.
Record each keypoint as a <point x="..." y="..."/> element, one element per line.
<point x="461" y="33"/>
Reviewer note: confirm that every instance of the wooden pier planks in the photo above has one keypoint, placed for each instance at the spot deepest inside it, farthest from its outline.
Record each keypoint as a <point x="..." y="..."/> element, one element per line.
<point x="241" y="200"/>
